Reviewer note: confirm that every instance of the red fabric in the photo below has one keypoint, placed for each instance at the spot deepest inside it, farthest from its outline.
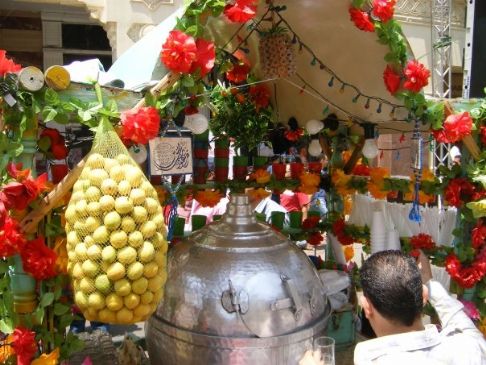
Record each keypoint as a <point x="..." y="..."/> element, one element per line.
<point x="294" y="202"/>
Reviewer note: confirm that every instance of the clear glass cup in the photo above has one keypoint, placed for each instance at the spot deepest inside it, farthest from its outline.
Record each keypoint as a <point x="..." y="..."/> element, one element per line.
<point x="324" y="350"/>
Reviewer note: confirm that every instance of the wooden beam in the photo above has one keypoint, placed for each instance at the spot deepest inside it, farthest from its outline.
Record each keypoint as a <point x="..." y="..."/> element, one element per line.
<point x="323" y="141"/>
<point x="355" y="156"/>
<point x="168" y="80"/>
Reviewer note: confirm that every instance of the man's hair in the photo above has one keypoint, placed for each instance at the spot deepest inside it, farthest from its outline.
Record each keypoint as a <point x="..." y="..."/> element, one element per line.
<point x="391" y="282"/>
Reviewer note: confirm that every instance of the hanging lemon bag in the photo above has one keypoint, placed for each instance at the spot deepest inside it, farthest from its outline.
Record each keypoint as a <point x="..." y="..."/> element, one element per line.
<point x="115" y="236"/>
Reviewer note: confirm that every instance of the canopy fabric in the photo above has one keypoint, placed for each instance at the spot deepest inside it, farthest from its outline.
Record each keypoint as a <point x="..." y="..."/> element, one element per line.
<point x="324" y="26"/>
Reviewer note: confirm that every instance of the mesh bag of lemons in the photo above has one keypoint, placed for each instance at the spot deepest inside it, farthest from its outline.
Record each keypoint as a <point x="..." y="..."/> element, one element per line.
<point x="115" y="236"/>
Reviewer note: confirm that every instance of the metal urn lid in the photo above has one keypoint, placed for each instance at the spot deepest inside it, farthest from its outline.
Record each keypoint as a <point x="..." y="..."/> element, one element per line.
<point x="239" y="278"/>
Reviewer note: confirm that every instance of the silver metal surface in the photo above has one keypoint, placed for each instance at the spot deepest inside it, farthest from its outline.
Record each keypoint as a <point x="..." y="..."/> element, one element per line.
<point x="239" y="288"/>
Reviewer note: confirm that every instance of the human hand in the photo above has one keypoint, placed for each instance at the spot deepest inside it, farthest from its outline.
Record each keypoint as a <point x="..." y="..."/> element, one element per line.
<point x="308" y="359"/>
<point x="424" y="267"/>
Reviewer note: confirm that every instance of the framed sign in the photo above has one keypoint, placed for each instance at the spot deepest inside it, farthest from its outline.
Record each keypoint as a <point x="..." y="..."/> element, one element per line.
<point x="170" y="155"/>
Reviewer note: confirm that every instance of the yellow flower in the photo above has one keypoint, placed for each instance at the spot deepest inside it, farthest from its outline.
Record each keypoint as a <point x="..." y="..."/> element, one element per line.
<point x="6" y="349"/>
<point x="61" y="252"/>
<point x="47" y="359"/>
<point x="309" y="182"/>
<point x="348" y="252"/>
<point x="208" y="198"/>
<point x="348" y="204"/>
<point x="427" y="175"/>
<point x="258" y="194"/>
<point x="340" y="181"/>
<point x="482" y="326"/>
<point x="376" y="183"/>
<point x="261" y="176"/>
<point x="307" y="189"/>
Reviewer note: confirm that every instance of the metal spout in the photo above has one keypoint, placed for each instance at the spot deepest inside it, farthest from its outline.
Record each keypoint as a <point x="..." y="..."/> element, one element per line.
<point x="239" y="210"/>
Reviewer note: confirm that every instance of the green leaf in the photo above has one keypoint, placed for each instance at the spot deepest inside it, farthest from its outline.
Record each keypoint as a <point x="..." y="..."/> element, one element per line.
<point x="46" y="299"/>
<point x="435" y="115"/>
<point x="60" y="309"/>
<point x="188" y="81"/>
<point x="6" y="325"/>
<point x="3" y="267"/>
<point x="84" y="115"/>
<point x="358" y="3"/>
<point x="51" y="97"/>
<point x="39" y="315"/>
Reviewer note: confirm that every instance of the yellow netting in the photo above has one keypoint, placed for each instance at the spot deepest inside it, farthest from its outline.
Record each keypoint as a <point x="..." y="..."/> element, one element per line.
<point x="115" y="236"/>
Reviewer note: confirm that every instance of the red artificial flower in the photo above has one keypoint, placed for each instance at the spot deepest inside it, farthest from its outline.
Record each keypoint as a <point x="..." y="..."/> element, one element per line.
<point x="315" y="238"/>
<point x="38" y="259"/>
<point x="422" y="241"/>
<point x="7" y="65"/>
<point x="140" y="125"/>
<point x="455" y="128"/>
<point x="482" y="131"/>
<point x="311" y="222"/>
<point x="417" y="76"/>
<point x="16" y="195"/>
<point x="459" y="191"/>
<point x="293" y="135"/>
<point x="383" y="9"/>
<point x="241" y="11"/>
<point x="468" y="276"/>
<point x="361" y="170"/>
<point x="392" y="80"/>
<point x="241" y="69"/>
<point x="338" y="229"/>
<point x="59" y="151"/>
<point x="205" y="57"/>
<point x="53" y="134"/>
<point x="3" y="211"/>
<point x="179" y="52"/>
<point x="361" y="19"/>
<point x="24" y="345"/>
<point x="190" y="110"/>
<point x="478" y="235"/>
<point x="11" y="239"/>
<point x="260" y="94"/>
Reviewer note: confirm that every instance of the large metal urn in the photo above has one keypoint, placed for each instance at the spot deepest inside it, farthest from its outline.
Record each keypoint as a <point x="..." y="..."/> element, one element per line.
<point x="238" y="293"/>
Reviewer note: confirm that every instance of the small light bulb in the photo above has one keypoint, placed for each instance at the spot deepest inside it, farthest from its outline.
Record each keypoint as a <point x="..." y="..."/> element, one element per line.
<point x="315" y="148"/>
<point x="370" y="150"/>
<point x="314" y="126"/>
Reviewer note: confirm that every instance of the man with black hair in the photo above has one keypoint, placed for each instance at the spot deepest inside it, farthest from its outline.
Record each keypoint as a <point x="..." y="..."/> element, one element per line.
<point x="394" y="293"/>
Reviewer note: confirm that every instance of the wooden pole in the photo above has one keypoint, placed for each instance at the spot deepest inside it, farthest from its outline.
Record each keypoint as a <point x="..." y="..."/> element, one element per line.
<point x="30" y="222"/>
<point x="355" y="156"/>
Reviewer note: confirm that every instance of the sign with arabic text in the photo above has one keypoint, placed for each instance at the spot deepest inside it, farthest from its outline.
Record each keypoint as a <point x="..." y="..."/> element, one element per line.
<point x="170" y="155"/>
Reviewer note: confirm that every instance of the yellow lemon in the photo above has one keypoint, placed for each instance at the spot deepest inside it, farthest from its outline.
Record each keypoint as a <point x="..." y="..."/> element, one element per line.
<point x="139" y="286"/>
<point x="93" y="194"/>
<point x="91" y="224"/>
<point x="81" y="300"/>
<point x="97" y="176"/>
<point x="158" y="219"/>
<point x="94" y="252"/>
<point x="124" y="187"/>
<point x="160" y="258"/>
<point x="79" y="227"/>
<point x="70" y="214"/>
<point x="122" y="287"/>
<point x="142" y="310"/>
<point x="96" y="300"/>
<point x="116" y="173"/>
<point x="123" y="205"/>
<point x="150" y="270"/>
<point x="157" y="282"/>
<point x="124" y="316"/>
<point x="89" y="241"/>
<point x="158" y="295"/>
<point x="108" y="254"/>
<point x="147" y="297"/>
<point x="131" y="301"/>
<point x="116" y="271"/>
<point x="139" y="214"/>
<point x="107" y="203"/>
<point x="112" y="220"/>
<point x="135" y="239"/>
<point x="109" y="187"/>
<point x="87" y="285"/>
<point x="127" y="255"/>
<point x="95" y="160"/>
<point x="102" y="283"/>
<point x="148" y="189"/>
<point x="148" y="229"/>
<point x="135" y="271"/>
<point x="94" y="209"/>
<point x="81" y="251"/>
<point x="134" y="176"/>
<point x="152" y="206"/>
<point x="128" y="224"/>
<point x="90" y="268"/>
<point x="77" y="271"/>
<point x="100" y="235"/>
<point x="82" y="208"/>
<point x="137" y="196"/>
<point x="147" y="252"/>
<point x="114" y="302"/>
<point x="123" y="159"/>
<point x="118" y="239"/>
<point x="110" y="163"/>
<point x="107" y="316"/>
<point x="158" y="240"/>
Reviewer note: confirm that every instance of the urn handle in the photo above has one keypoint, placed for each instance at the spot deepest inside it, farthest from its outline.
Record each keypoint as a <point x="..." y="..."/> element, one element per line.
<point x="295" y="301"/>
<point x="234" y="301"/>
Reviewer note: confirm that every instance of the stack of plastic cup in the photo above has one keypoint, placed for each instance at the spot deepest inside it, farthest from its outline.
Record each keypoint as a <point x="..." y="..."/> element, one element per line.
<point x="393" y="240"/>
<point x="378" y="236"/>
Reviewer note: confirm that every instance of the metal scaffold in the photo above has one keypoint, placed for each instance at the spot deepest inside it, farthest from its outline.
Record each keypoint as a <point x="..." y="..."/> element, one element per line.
<point x="441" y="67"/>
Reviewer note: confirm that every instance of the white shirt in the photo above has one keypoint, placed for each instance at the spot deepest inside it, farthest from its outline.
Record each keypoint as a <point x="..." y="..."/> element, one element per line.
<point x="267" y="206"/>
<point x="459" y="342"/>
